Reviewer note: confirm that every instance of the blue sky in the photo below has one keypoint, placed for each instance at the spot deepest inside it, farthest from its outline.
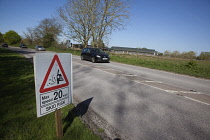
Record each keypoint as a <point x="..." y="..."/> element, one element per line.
<point x="174" y="25"/>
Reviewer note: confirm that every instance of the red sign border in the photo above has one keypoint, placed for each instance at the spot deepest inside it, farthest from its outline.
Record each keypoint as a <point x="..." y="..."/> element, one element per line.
<point x="42" y="89"/>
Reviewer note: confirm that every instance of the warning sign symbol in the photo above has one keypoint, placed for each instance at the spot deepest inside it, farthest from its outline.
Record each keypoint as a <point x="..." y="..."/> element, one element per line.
<point x="59" y="77"/>
<point x="55" y="77"/>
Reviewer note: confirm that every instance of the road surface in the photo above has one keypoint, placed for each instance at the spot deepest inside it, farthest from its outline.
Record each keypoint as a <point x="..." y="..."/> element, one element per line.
<point x="141" y="103"/>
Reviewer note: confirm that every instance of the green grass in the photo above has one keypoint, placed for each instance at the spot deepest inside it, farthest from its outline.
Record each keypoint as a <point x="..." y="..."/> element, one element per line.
<point x="18" y="119"/>
<point x="195" y="68"/>
<point x="65" y="50"/>
<point x="56" y="49"/>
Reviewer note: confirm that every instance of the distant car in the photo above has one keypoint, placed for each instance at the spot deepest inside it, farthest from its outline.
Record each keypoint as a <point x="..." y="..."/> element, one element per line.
<point x="40" y="48"/>
<point x="4" y="45"/>
<point x="23" y="46"/>
<point x="95" y="55"/>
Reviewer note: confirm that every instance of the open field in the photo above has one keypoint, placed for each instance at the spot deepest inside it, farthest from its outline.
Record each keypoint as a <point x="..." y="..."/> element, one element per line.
<point x="141" y="95"/>
<point x="196" y="68"/>
<point x="18" y="106"/>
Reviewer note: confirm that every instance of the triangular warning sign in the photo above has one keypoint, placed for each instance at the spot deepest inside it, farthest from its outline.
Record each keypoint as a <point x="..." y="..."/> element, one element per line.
<point x="55" y="77"/>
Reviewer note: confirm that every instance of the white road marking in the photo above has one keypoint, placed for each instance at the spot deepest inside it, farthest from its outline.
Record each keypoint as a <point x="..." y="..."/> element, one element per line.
<point x="196" y="100"/>
<point x="148" y="81"/>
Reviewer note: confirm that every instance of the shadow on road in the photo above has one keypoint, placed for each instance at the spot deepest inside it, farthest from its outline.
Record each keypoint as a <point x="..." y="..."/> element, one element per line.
<point x="77" y="111"/>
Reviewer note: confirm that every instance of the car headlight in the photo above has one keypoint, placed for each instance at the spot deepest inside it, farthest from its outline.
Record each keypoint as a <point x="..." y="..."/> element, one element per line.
<point x="98" y="56"/>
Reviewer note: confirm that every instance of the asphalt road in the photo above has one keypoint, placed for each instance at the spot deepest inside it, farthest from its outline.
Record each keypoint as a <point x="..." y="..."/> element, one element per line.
<point x="141" y="103"/>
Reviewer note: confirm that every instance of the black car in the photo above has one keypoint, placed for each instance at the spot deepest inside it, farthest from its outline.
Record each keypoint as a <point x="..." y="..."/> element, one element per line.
<point x="4" y="45"/>
<point x="95" y="55"/>
<point x="23" y="46"/>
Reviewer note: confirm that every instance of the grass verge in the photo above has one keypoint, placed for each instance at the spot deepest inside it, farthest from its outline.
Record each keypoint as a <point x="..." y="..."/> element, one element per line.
<point x="196" y="68"/>
<point x="65" y="50"/>
<point x="18" y="106"/>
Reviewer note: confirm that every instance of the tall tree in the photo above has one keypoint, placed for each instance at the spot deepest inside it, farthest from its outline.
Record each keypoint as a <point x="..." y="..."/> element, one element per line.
<point x="93" y="19"/>
<point x="109" y="15"/>
<point x="167" y="53"/>
<point x="175" y="54"/>
<point x="204" y="56"/>
<point x="48" y="40"/>
<point x="76" y="16"/>
<point x="29" y="35"/>
<point x="46" y="30"/>
<point x="1" y="38"/>
<point x="49" y="26"/>
<point x="12" y="37"/>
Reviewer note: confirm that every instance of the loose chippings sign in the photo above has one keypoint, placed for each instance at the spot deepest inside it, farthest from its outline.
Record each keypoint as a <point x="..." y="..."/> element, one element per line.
<point x="53" y="81"/>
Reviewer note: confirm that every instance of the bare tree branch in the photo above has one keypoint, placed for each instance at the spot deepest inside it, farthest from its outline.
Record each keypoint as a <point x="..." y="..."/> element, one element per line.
<point x="29" y="35"/>
<point x="93" y="19"/>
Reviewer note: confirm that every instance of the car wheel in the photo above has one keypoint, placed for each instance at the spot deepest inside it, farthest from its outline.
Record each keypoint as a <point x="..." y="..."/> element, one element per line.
<point x="93" y="59"/>
<point x="82" y="57"/>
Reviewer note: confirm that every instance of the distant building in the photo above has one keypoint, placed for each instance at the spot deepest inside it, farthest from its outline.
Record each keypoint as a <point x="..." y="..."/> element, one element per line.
<point x="67" y="43"/>
<point x="80" y="46"/>
<point x="128" y="50"/>
<point x="105" y="49"/>
<point x="77" y="46"/>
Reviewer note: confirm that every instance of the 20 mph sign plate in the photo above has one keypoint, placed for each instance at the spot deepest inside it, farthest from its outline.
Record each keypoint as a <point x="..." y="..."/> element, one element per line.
<point x="53" y="81"/>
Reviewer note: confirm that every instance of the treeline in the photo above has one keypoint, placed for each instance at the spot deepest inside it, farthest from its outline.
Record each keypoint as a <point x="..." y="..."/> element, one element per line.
<point x="84" y="21"/>
<point x="187" y="55"/>
<point x="204" y="56"/>
<point x="10" y="37"/>
<point x="46" y="34"/>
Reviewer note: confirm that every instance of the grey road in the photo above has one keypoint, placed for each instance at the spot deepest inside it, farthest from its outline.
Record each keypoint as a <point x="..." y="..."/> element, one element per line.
<point x="141" y="103"/>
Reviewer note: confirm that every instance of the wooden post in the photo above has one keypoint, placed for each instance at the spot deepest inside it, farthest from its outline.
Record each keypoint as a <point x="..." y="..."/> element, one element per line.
<point x="58" y="120"/>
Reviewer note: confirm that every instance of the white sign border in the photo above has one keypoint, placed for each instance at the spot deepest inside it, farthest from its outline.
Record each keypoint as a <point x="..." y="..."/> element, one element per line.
<point x="38" y="85"/>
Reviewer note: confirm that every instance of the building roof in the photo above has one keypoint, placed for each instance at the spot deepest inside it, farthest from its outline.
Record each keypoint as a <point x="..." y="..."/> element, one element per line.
<point x="115" y="48"/>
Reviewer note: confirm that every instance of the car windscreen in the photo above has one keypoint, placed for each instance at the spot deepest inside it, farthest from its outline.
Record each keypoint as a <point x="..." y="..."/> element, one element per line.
<point x="98" y="50"/>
